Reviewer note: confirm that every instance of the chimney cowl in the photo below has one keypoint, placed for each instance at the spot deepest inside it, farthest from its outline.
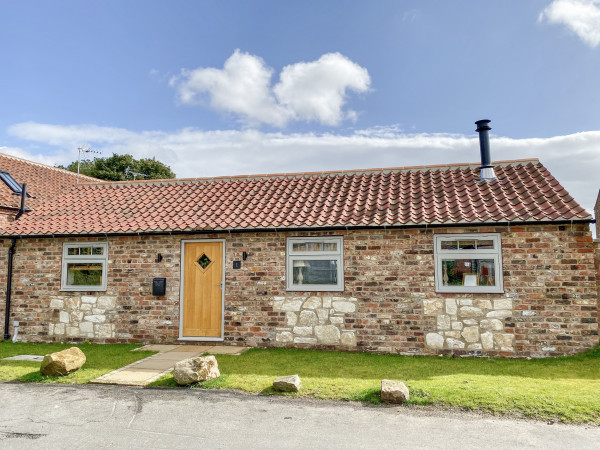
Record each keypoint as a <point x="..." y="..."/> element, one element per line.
<point x="487" y="169"/>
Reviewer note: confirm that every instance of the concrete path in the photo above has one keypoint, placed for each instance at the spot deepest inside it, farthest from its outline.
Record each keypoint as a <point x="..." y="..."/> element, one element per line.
<point x="38" y="416"/>
<point x="147" y="370"/>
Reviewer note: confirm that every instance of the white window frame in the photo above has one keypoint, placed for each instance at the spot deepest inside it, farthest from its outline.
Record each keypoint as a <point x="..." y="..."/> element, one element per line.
<point x="66" y="259"/>
<point x="337" y="255"/>
<point x="495" y="254"/>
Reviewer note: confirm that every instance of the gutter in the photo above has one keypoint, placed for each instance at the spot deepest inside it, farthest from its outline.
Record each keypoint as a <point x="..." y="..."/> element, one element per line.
<point x="297" y="229"/>
<point x="11" y="252"/>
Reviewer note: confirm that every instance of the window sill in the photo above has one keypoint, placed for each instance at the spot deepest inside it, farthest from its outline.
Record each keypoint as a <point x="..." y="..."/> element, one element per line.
<point x="87" y="289"/>
<point x="321" y="289"/>
<point x="460" y="290"/>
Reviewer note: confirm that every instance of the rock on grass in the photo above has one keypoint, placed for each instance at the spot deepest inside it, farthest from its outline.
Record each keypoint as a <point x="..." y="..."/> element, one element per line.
<point x="288" y="383"/>
<point x="394" y="392"/>
<point x="193" y="370"/>
<point x="63" y="362"/>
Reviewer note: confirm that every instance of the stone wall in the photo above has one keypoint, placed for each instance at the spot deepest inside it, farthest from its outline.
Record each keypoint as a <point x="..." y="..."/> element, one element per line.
<point x="83" y="316"/>
<point x="316" y="320"/>
<point x="475" y="325"/>
<point x="389" y="305"/>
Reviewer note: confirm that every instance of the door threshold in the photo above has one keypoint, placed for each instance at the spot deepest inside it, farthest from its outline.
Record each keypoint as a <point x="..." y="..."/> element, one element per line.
<point x="200" y="339"/>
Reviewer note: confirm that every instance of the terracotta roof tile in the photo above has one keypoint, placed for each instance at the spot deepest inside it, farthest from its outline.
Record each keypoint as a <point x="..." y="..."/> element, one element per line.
<point x="44" y="182"/>
<point x="524" y="191"/>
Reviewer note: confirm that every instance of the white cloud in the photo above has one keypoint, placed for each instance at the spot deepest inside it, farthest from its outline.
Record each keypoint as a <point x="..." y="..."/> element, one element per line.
<point x="580" y="16"/>
<point x="307" y="91"/>
<point x="573" y="159"/>
<point x="317" y="90"/>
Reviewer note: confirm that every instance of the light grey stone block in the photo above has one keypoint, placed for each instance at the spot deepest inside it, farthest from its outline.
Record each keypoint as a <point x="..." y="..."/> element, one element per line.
<point x="327" y="334"/>
<point x="303" y="331"/>
<point x="434" y="340"/>
<point x="285" y="337"/>
<point x="470" y="311"/>
<point x="394" y="392"/>
<point x="312" y="303"/>
<point x="503" y="303"/>
<point x="308" y="319"/>
<point x="287" y="383"/>
<point x="346" y="307"/>
<point x="471" y="334"/>
<point x="454" y="343"/>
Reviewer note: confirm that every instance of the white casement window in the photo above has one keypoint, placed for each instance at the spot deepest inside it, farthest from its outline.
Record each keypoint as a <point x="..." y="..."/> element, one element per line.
<point x="84" y="266"/>
<point x="468" y="263"/>
<point x="315" y="264"/>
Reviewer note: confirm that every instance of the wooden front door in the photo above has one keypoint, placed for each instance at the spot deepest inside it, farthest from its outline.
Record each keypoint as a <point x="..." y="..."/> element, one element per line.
<point x="203" y="284"/>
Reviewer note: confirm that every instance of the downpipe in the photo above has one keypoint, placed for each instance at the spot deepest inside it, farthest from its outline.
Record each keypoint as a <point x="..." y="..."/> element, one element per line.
<point x="11" y="252"/>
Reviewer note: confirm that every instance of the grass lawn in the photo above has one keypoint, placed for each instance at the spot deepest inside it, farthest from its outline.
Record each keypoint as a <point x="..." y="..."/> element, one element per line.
<point x="565" y="389"/>
<point x="100" y="359"/>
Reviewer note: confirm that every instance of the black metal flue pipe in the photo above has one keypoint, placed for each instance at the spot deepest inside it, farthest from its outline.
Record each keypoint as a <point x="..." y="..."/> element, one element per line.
<point x="484" y="142"/>
<point x="23" y="197"/>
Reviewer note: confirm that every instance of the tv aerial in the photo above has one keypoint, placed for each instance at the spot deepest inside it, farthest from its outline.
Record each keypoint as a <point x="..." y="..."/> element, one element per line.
<point x="129" y="172"/>
<point x="84" y="149"/>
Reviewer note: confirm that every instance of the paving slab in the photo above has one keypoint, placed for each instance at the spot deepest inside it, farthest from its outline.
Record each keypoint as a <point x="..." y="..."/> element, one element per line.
<point x="137" y="377"/>
<point x="190" y="348"/>
<point x="227" y="350"/>
<point x="213" y="349"/>
<point x="153" y="363"/>
<point x="38" y="358"/>
<point x="176" y="356"/>
<point x="156" y="348"/>
<point x="147" y="370"/>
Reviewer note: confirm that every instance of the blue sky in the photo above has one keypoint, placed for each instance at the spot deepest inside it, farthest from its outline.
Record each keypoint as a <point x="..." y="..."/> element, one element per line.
<point x="234" y="87"/>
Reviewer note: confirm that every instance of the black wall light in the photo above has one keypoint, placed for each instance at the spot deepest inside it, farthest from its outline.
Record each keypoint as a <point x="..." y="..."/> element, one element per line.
<point x="244" y="256"/>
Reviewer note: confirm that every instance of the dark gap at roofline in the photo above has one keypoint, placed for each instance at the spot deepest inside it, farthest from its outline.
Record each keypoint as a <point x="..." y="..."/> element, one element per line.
<point x="298" y="229"/>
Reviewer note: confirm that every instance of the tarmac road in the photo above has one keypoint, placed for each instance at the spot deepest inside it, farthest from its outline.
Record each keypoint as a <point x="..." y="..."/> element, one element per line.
<point x="96" y="416"/>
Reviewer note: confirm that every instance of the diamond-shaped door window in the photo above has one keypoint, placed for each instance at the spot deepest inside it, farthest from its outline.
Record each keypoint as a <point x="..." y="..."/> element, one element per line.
<point x="204" y="261"/>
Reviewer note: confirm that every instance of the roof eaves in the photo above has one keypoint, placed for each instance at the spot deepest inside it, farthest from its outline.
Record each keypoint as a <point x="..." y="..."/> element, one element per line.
<point x="588" y="219"/>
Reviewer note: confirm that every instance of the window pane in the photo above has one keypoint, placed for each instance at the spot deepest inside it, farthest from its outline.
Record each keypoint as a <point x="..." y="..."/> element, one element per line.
<point x="485" y="244"/>
<point x="466" y="245"/>
<point x="299" y="247"/>
<point x="449" y="245"/>
<point x="468" y="272"/>
<point x="98" y="251"/>
<point x="314" y="272"/>
<point x="73" y="251"/>
<point x="84" y="274"/>
<point x="85" y="250"/>
<point x="314" y="246"/>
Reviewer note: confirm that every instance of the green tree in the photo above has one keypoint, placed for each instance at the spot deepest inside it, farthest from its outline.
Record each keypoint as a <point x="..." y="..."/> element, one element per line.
<point x="114" y="168"/>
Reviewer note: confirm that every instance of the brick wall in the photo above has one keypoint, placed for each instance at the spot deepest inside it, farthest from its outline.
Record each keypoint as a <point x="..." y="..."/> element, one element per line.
<point x="549" y="307"/>
<point x="7" y="216"/>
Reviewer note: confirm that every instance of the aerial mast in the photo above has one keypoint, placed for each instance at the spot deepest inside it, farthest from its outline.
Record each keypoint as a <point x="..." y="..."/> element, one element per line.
<point x="83" y="149"/>
<point x="129" y="172"/>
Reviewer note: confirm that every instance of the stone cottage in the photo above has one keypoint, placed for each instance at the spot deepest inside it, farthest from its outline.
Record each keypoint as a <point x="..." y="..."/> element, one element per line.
<point x="465" y="259"/>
